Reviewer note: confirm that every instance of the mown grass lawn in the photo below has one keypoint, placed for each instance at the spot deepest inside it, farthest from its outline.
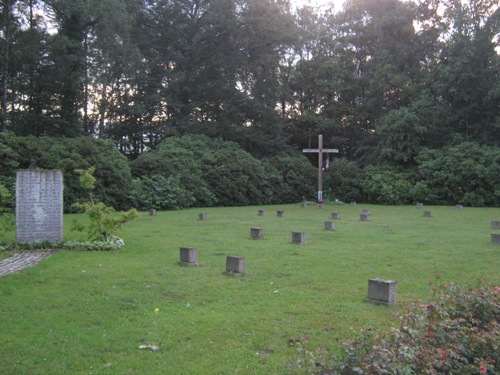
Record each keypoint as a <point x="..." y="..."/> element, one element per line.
<point x="88" y="312"/>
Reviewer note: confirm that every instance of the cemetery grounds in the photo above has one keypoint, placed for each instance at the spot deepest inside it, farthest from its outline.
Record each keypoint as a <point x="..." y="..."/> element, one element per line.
<point x="92" y="312"/>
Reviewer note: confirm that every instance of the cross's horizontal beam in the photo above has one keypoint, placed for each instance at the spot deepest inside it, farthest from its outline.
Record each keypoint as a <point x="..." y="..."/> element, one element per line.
<point x="326" y="150"/>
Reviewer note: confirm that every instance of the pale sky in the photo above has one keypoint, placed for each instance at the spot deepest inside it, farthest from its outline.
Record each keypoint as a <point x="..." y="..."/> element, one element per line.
<point x="337" y="3"/>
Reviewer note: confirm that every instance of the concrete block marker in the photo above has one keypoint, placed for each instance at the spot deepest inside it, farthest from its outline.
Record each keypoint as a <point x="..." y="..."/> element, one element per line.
<point x="298" y="238"/>
<point x="188" y="256"/>
<point x="235" y="266"/>
<point x="329" y="225"/>
<point x="256" y="233"/>
<point x="382" y="291"/>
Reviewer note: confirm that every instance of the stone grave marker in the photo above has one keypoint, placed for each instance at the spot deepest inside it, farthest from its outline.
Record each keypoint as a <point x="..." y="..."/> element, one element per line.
<point x="420" y="205"/>
<point x="202" y="216"/>
<point x="303" y="205"/>
<point x="353" y="203"/>
<point x="152" y="212"/>
<point x="495" y="224"/>
<point x="39" y="206"/>
<point x="280" y="213"/>
<point x="256" y="233"/>
<point x="427" y="213"/>
<point x="299" y="238"/>
<point x="329" y="225"/>
<point x="364" y="217"/>
<point x="382" y="291"/>
<point x="335" y="215"/>
<point x="321" y="206"/>
<point x="459" y="207"/>
<point x="262" y="213"/>
<point x="495" y="238"/>
<point x="189" y="256"/>
<point x="235" y="265"/>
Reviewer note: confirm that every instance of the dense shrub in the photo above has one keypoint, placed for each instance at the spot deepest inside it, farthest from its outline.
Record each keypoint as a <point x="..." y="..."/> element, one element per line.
<point x="183" y="158"/>
<point x="215" y="172"/>
<point x="68" y="154"/>
<point x="456" y="333"/>
<point x="292" y="178"/>
<point x="387" y="185"/>
<point x="345" y="181"/>
<point x="159" y="192"/>
<point x="467" y="174"/>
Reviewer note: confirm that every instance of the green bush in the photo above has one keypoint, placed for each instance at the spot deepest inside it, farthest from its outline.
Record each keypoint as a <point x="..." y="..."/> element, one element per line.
<point x="183" y="158"/>
<point x="291" y="178"/>
<point x="159" y="192"/>
<point x="458" y="332"/>
<point x="467" y="174"/>
<point x="215" y="172"/>
<point x="386" y="185"/>
<point x="69" y="154"/>
<point x="103" y="221"/>
<point x="345" y="181"/>
<point x="6" y="200"/>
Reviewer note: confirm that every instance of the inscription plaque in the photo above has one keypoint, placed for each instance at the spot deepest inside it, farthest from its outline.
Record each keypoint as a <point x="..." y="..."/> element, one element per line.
<point x="39" y="206"/>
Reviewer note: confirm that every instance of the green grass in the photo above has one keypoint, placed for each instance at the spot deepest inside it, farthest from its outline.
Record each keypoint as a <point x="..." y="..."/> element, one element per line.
<point x="88" y="312"/>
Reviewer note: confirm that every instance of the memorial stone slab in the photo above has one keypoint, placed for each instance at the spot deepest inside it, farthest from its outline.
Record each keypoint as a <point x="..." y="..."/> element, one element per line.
<point x="420" y="205"/>
<point x="280" y="213"/>
<point x="495" y="224"/>
<point x="152" y="212"/>
<point x="39" y="206"/>
<point x="262" y="213"/>
<point x="202" y="216"/>
<point x="427" y="213"/>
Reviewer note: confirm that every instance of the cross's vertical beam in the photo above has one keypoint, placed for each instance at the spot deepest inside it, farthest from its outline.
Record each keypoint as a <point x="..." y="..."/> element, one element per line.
<point x="320" y="150"/>
<point x="320" y="168"/>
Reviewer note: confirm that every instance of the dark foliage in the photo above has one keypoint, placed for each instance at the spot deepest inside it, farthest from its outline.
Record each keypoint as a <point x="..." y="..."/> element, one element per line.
<point x="68" y="154"/>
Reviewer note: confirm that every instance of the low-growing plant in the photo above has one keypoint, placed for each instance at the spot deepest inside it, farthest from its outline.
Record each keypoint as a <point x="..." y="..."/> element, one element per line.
<point x="44" y="245"/>
<point x="456" y="333"/>
<point x="103" y="221"/>
<point x="113" y="244"/>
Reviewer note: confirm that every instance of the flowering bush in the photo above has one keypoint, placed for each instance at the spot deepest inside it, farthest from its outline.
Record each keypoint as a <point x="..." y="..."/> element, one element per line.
<point x="458" y="332"/>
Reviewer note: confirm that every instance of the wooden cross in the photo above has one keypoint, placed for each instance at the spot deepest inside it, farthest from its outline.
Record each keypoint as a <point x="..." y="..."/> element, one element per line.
<point x="320" y="150"/>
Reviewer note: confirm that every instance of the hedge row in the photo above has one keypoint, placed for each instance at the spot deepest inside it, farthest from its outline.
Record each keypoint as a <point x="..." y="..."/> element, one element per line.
<point x="467" y="174"/>
<point x="199" y="171"/>
<point x="181" y="172"/>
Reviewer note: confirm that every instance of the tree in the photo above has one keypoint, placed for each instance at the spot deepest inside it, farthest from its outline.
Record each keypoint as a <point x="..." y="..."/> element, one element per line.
<point x="8" y="24"/>
<point x="466" y="75"/>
